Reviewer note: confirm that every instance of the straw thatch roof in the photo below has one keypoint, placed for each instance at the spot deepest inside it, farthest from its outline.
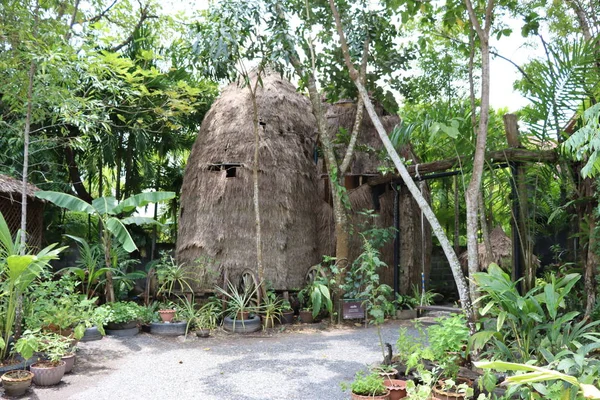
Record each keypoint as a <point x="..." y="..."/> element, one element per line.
<point x="217" y="214"/>
<point x="415" y="248"/>
<point x="12" y="187"/>
<point x="342" y="115"/>
<point x="10" y="207"/>
<point x="501" y="249"/>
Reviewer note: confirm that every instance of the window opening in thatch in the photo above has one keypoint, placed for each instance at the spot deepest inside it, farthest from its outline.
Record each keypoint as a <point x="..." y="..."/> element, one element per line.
<point x="229" y="168"/>
<point x="376" y="192"/>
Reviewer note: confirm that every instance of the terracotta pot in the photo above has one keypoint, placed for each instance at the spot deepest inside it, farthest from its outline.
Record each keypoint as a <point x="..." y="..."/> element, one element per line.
<point x="441" y="394"/>
<point x="267" y="323"/>
<point x="305" y="316"/>
<point x="46" y="374"/>
<point x="244" y="315"/>
<point x="287" y="317"/>
<point x="166" y="315"/>
<point x="359" y="397"/>
<point x="396" y="387"/>
<point x="392" y="374"/>
<point x="69" y="360"/>
<point x="16" y="382"/>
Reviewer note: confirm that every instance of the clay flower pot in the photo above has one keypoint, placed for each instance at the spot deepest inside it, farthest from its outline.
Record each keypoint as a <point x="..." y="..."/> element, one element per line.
<point x="354" y="396"/>
<point x="47" y="373"/>
<point x="16" y="382"/>
<point x="396" y="387"/>
<point x="305" y="316"/>
<point x="166" y="315"/>
<point x="69" y="360"/>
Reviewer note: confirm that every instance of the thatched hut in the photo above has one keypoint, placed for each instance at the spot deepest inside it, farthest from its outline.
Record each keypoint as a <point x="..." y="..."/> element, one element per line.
<point x="415" y="243"/>
<point x="502" y="247"/>
<point x="217" y="218"/>
<point x="10" y="207"/>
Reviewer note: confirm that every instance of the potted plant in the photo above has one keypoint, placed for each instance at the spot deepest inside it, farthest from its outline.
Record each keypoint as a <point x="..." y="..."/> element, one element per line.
<point x="271" y="310"/>
<point x="287" y="312"/>
<point x="405" y="305"/>
<point x="315" y="297"/>
<point x="123" y="318"/>
<point x="241" y="309"/>
<point x="16" y="382"/>
<point x="92" y="321"/>
<point x="171" y="277"/>
<point x="208" y="317"/>
<point x="51" y="370"/>
<point x="449" y="389"/>
<point x="368" y="386"/>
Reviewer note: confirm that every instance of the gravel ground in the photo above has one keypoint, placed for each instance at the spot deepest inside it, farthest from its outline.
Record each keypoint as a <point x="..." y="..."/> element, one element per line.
<point x="298" y="363"/>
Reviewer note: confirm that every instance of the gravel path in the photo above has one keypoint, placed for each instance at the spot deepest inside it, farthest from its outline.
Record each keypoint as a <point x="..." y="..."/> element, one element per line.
<point x="294" y="364"/>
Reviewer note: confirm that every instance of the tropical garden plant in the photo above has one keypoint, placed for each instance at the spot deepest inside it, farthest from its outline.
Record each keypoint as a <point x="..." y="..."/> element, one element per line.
<point x="108" y="209"/>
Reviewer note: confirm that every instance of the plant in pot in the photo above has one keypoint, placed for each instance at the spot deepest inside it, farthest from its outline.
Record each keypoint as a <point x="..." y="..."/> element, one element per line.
<point x="271" y="310"/>
<point x="208" y="317"/>
<point x="51" y="370"/>
<point x="172" y="277"/>
<point x="314" y="297"/>
<point x="287" y="312"/>
<point x="123" y="318"/>
<point x="367" y="386"/>
<point x="448" y="341"/>
<point x="241" y="309"/>
<point x="16" y="382"/>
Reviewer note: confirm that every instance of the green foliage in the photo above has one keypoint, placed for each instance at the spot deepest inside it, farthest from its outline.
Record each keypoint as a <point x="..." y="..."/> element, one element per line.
<point x="370" y="384"/>
<point x="315" y="296"/>
<point x="533" y="325"/>
<point x="55" y="346"/>
<point x="123" y="311"/>
<point x="532" y="375"/>
<point x="239" y="301"/>
<point x="584" y="144"/>
<point x="448" y="340"/>
<point x="172" y="276"/>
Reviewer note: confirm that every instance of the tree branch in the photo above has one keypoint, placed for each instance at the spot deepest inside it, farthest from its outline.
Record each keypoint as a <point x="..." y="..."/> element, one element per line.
<point x="359" y="112"/>
<point x="143" y="17"/>
<point x="103" y="13"/>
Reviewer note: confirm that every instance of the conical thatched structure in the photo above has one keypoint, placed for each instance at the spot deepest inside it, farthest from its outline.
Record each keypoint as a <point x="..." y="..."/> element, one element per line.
<point x="415" y="243"/>
<point x="217" y="217"/>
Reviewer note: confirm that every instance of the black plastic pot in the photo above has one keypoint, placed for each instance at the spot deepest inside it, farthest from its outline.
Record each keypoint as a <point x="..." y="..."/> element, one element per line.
<point x="242" y="325"/>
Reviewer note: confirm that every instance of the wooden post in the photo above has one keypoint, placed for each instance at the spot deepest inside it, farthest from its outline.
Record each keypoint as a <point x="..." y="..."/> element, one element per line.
<point x="523" y="248"/>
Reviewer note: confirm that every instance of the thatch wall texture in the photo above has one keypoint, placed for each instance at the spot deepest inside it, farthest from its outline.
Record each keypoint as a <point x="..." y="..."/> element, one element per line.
<point x="415" y="246"/>
<point x="217" y="217"/>
<point x="10" y="207"/>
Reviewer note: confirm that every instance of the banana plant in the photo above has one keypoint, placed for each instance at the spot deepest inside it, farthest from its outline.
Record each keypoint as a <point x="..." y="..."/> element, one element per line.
<point x="17" y="272"/>
<point x="113" y="227"/>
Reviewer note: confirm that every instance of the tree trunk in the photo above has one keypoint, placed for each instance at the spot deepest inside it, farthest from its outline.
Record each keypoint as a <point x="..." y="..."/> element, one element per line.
<point x="473" y="190"/>
<point x="109" y="290"/>
<point x="591" y="264"/>
<point x="456" y="217"/>
<point x="437" y="229"/>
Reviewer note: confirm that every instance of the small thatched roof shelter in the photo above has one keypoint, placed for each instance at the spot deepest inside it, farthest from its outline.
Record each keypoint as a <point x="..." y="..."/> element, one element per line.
<point x="502" y="247"/>
<point x="10" y="207"/>
<point x="415" y="243"/>
<point x="217" y="218"/>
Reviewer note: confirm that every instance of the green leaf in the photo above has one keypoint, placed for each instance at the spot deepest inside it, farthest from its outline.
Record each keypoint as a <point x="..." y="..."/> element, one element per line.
<point x="120" y="232"/>
<point x="105" y="205"/>
<point x="140" y="221"/>
<point x="67" y="201"/>
<point x="143" y="199"/>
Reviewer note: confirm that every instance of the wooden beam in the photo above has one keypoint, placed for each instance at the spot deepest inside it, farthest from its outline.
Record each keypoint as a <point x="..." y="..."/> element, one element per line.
<point x="499" y="156"/>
